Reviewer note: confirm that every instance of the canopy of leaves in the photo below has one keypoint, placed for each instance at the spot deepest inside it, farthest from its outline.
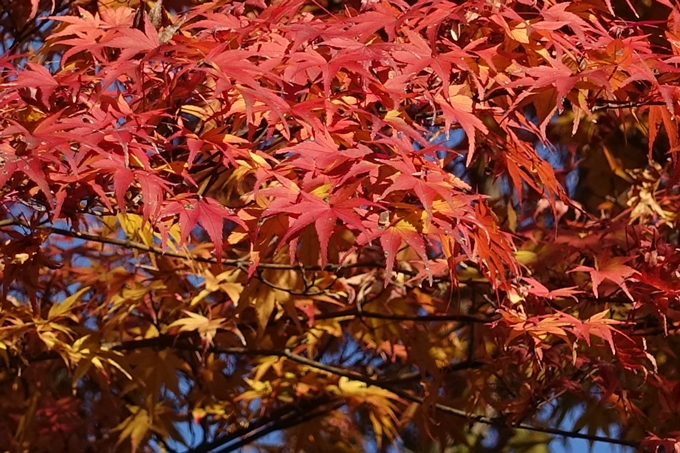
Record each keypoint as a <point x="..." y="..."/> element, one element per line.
<point x="360" y="224"/>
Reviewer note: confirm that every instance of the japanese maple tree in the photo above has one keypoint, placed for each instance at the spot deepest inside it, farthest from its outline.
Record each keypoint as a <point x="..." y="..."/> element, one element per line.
<point x="359" y="225"/>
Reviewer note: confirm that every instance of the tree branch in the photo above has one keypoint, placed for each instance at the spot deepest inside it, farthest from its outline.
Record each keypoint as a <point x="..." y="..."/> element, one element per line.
<point x="459" y="317"/>
<point x="499" y="421"/>
<point x="298" y="417"/>
<point x="181" y="342"/>
<point x="244" y="263"/>
<point x="608" y="105"/>
<point x="278" y="419"/>
<point x="451" y="410"/>
<point x="126" y="243"/>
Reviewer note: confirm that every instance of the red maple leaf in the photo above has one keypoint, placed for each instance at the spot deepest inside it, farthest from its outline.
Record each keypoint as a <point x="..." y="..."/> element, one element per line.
<point x="208" y="213"/>
<point x="323" y="214"/>
<point x="611" y="269"/>
<point x="539" y="290"/>
<point x="391" y="237"/>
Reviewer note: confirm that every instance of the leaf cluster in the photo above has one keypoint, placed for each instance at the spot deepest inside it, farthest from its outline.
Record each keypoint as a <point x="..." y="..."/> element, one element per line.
<point x="348" y="223"/>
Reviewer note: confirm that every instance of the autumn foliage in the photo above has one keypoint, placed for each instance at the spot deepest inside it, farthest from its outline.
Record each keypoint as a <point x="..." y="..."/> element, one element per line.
<point x="359" y="225"/>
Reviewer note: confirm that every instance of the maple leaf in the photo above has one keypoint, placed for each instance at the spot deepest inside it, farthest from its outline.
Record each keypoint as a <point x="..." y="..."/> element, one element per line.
<point x="84" y="33"/>
<point x="660" y="114"/>
<point x="383" y="16"/>
<point x="153" y="188"/>
<point x="655" y="443"/>
<point x="66" y="305"/>
<point x="427" y="183"/>
<point x="612" y="269"/>
<point x="600" y="325"/>
<point x="206" y="327"/>
<point x="122" y="177"/>
<point x="40" y="78"/>
<point x="457" y="108"/>
<point x="537" y="289"/>
<point x="316" y="125"/>
<point x="132" y="41"/>
<point x="135" y="427"/>
<point x="205" y="211"/>
<point x="264" y="298"/>
<point x="556" y="16"/>
<point x="391" y="235"/>
<point x="323" y="214"/>
<point x="558" y="74"/>
<point x="32" y="168"/>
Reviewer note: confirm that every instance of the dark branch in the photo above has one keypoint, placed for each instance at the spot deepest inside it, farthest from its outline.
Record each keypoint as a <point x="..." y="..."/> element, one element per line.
<point x="296" y="418"/>
<point x="610" y="105"/>
<point x="181" y="342"/>
<point x="126" y="243"/>
<point x="281" y="418"/>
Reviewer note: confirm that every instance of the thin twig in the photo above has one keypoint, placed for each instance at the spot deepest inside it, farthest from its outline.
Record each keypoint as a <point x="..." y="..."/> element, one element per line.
<point x="254" y="427"/>
<point x="298" y="418"/>
<point x="459" y="317"/>
<point x="126" y="243"/>
<point x="181" y="342"/>
<point x="611" y="105"/>
<point x="451" y="410"/>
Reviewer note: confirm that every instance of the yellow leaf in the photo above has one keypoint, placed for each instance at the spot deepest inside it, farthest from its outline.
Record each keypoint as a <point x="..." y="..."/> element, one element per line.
<point x="525" y="257"/>
<point x="462" y="102"/>
<point x="228" y="138"/>
<point x="20" y="258"/>
<point x="135" y="228"/>
<point x="322" y="191"/>
<point x="200" y="296"/>
<point x="349" y="387"/>
<point x="198" y="413"/>
<point x="265" y="364"/>
<point x="520" y="33"/>
<point x="135" y="427"/>
<point x="470" y="273"/>
<point x="35" y="115"/>
<point x="112" y="359"/>
<point x="264" y="298"/>
<point x="64" y="307"/>
<point x="233" y="290"/>
<point x="259" y="160"/>
<point x="198" y="112"/>
<point x="259" y="388"/>
<point x="377" y="428"/>
<point x="392" y="114"/>
<point x="207" y="328"/>
<point x="616" y="165"/>
<point x="515" y="297"/>
<point x="237" y="236"/>
<point x="331" y="326"/>
<point x="394" y="117"/>
<point x="512" y="218"/>
<point x="358" y="389"/>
